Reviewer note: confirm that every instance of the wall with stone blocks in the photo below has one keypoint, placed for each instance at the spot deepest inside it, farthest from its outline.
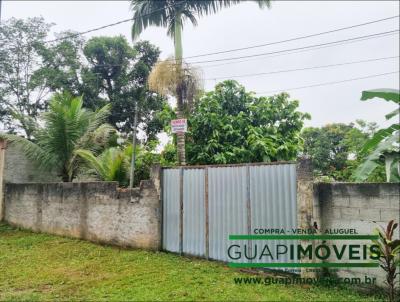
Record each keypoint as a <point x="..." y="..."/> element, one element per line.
<point x="362" y="207"/>
<point x="94" y="211"/>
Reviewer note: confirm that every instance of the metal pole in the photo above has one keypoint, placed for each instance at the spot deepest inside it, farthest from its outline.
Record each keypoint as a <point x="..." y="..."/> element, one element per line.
<point x="0" y="9"/>
<point x="133" y="147"/>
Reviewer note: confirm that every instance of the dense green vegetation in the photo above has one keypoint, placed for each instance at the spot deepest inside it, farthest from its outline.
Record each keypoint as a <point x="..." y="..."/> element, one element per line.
<point x="230" y="125"/>
<point x="335" y="150"/>
<point x="103" y="70"/>
<point x="357" y="151"/>
<point x="226" y="125"/>
<point x="43" y="267"/>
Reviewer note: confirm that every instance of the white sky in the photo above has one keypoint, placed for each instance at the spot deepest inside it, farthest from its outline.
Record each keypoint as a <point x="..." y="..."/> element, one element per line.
<point x="245" y="25"/>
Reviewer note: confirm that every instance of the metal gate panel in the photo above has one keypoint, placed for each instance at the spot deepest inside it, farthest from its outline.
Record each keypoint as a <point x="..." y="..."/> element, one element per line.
<point x="194" y="221"/>
<point x="171" y="213"/>
<point x="273" y="203"/>
<point x="240" y="199"/>
<point x="227" y="208"/>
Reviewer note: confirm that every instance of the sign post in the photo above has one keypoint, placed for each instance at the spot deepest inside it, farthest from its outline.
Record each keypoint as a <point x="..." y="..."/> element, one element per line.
<point x="179" y="125"/>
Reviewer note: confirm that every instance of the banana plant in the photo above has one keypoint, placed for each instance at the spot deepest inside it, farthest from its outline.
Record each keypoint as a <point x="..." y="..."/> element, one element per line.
<point x="384" y="143"/>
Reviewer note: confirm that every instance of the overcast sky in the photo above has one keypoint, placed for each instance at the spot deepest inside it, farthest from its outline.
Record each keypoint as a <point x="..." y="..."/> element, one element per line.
<point x="246" y="25"/>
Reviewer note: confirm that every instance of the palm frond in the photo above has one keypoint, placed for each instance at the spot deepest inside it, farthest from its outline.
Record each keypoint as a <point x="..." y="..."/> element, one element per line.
<point x="163" y="13"/>
<point x="148" y="13"/>
<point x="115" y="163"/>
<point x="111" y="165"/>
<point x="44" y="159"/>
<point x="167" y="75"/>
<point x="101" y="135"/>
<point x="205" y="8"/>
<point x="99" y="117"/>
<point x="93" y="162"/>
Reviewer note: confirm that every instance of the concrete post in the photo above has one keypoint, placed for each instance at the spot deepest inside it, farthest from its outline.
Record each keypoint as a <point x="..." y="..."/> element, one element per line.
<point x="305" y="195"/>
<point x="155" y="176"/>
<point x="3" y="145"/>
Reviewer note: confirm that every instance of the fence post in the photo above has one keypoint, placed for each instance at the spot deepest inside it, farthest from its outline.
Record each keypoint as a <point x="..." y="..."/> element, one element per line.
<point x="161" y="198"/>
<point x="3" y="145"/>
<point x="181" y="210"/>
<point x="206" y="213"/>
<point x="248" y="210"/>
<point x="305" y="196"/>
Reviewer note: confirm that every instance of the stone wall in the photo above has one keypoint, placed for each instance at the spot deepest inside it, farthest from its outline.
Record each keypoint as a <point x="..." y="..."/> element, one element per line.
<point x="95" y="211"/>
<point x="362" y="207"/>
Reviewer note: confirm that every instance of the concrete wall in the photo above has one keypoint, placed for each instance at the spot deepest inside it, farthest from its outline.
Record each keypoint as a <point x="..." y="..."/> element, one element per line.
<point x="19" y="169"/>
<point x="362" y="207"/>
<point x="99" y="212"/>
<point x="95" y="211"/>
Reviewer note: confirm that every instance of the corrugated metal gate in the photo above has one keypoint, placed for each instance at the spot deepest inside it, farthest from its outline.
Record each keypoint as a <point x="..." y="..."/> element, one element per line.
<point x="202" y="206"/>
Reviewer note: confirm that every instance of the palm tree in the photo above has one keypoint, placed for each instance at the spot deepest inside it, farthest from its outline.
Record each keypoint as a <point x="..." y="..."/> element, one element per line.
<point x="172" y="14"/>
<point x="111" y="165"/>
<point x="165" y="77"/>
<point x="67" y="128"/>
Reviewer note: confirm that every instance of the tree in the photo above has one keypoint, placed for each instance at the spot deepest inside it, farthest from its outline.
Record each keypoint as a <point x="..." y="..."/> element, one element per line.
<point x="165" y="79"/>
<point x="122" y="73"/>
<point x="230" y="125"/>
<point x="65" y="69"/>
<point x="115" y="73"/>
<point x="335" y="149"/>
<point x="68" y="127"/>
<point x="172" y="14"/>
<point x="23" y="89"/>
<point x="329" y="147"/>
<point x="384" y="143"/>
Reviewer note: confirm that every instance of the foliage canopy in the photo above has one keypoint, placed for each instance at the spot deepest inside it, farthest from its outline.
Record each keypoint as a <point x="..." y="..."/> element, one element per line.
<point x="335" y="149"/>
<point x="230" y="125"/>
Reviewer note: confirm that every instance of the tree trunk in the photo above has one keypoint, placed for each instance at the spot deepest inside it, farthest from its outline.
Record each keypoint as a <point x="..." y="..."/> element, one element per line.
<point x="179" y="95"/>
<point x="180" y="139"/>
<point x="178" y="39"/>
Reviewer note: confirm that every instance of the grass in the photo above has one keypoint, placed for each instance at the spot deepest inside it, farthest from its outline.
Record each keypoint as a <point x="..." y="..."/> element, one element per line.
<point x="44" y="267"/>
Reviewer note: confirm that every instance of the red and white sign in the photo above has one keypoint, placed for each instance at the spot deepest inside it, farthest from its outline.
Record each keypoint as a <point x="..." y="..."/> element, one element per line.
<point x="179" y="126"/>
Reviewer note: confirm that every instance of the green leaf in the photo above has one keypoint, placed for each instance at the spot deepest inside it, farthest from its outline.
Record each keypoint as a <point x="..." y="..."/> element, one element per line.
<point x="392" y="95"/>
<point x="378" y="137"/>
<point x="394" y="244"/>
<point x="89" y="157"/>
<point x="392" y="114"/>
<point x="370" y="163"/>
<point x="362" y="172"/>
